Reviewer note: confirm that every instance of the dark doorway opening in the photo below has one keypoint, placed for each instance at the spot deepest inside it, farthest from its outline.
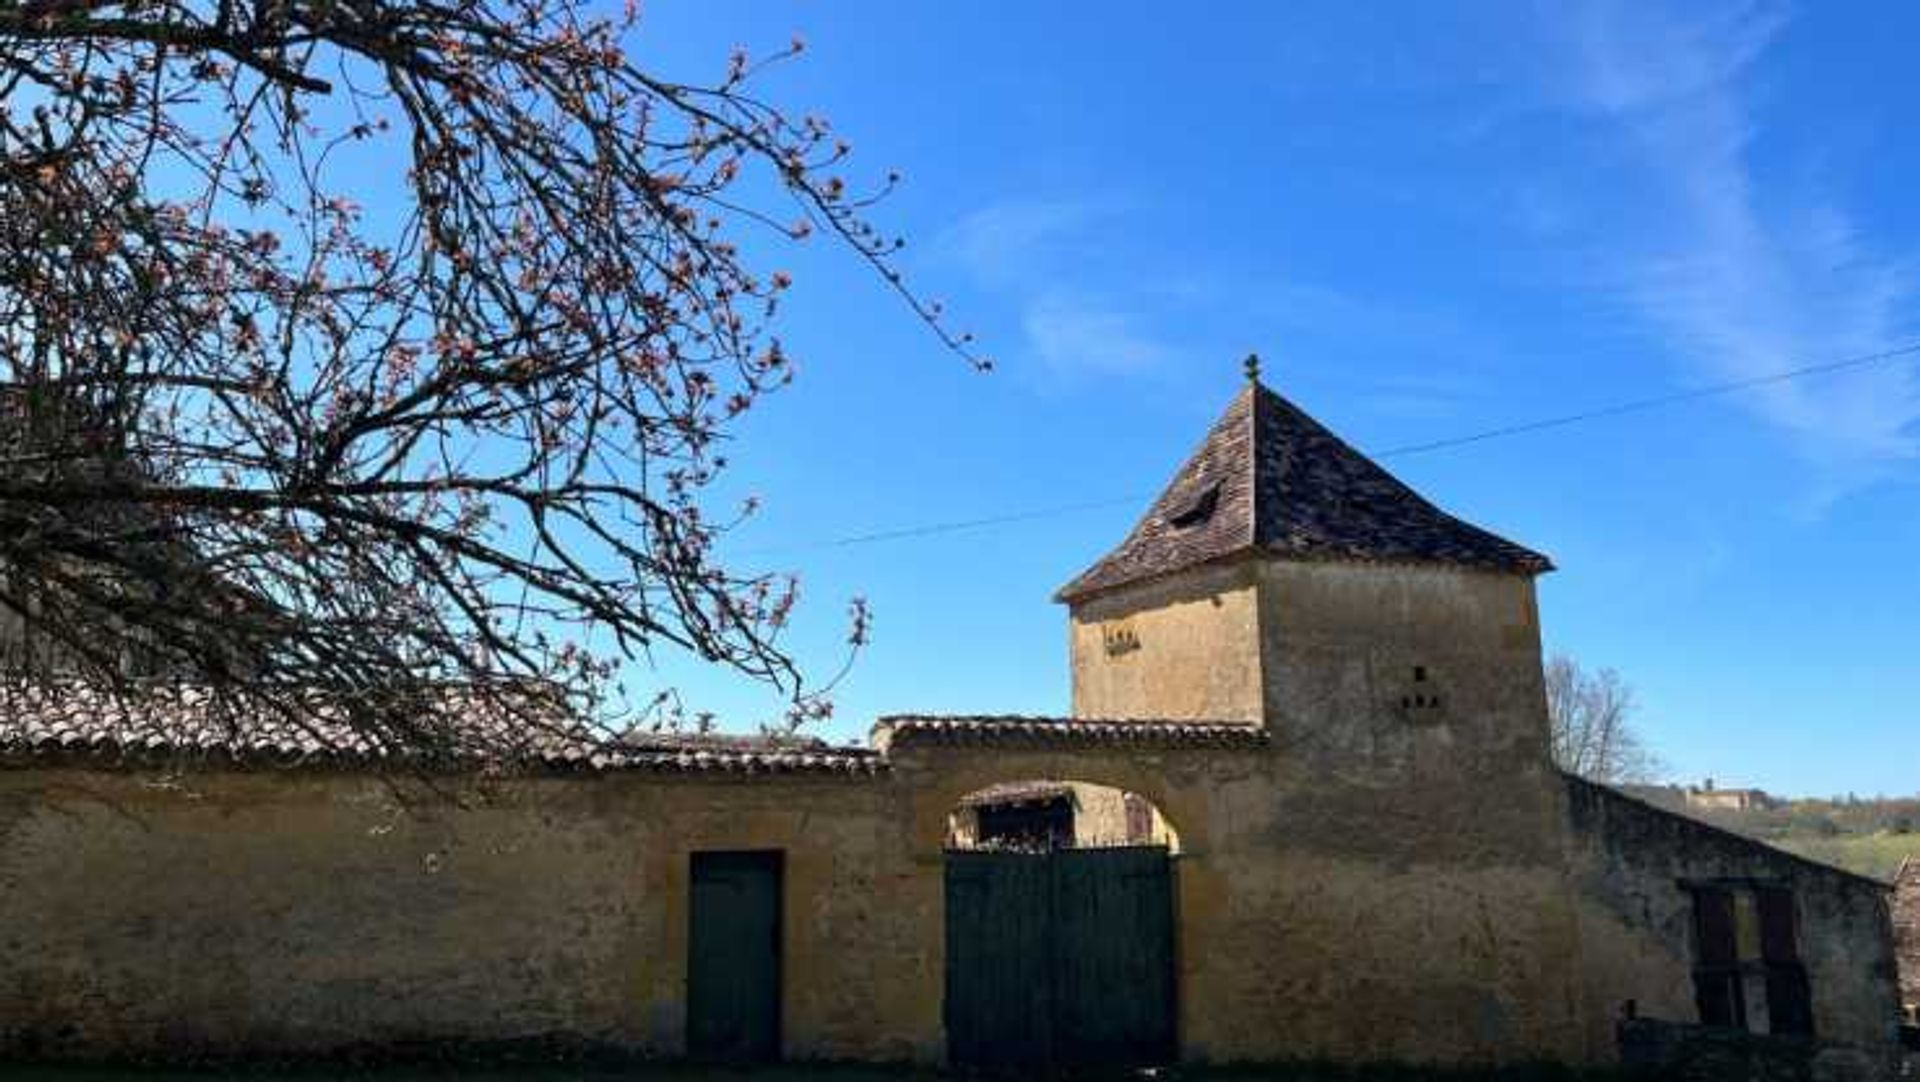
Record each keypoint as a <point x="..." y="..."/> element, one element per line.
<point x="1037" y="824"/>
<point x="1045" y="815"/>
<point x="733" y="957"/>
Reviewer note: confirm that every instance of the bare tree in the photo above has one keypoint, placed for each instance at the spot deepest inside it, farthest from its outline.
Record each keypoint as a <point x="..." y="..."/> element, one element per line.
<point x="355" y="345"/>
<point x="1592" y="731"/>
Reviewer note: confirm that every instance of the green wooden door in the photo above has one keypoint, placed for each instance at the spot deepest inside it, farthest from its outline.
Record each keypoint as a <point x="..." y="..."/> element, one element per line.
<point x="998" y="945"/>
<point x="1060" y="959"/>
<point x="733" y="957"/>
<point x="1113" y="980"/>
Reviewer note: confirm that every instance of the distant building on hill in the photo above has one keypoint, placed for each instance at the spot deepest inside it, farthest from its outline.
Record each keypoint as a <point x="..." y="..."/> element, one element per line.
<point x="1703" y="797"/>
<point x="1708" y="798"/>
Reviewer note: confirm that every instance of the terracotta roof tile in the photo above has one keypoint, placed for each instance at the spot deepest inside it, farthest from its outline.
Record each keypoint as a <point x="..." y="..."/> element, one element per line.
<point x="1269" y="478"/>
<point x="1015" y="730"/>
<point x="69" y="719"/>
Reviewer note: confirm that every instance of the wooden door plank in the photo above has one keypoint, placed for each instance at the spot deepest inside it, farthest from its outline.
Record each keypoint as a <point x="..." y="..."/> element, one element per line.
<point x="733" y="956"/>
<point x="998" y="982"/>
<point x="1114" y="965"/>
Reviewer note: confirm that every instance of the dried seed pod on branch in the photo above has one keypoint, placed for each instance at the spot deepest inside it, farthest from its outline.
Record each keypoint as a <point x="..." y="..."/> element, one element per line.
<point x="348" y="347"/>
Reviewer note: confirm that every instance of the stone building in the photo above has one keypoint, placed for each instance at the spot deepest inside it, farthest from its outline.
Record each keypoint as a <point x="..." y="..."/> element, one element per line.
<point x="1906" y="934"/>
<point x="1706" y="797"/>
<point x="1326" y="691"/>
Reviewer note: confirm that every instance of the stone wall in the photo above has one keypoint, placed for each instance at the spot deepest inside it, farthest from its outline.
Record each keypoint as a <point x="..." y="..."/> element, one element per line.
<point x="1906" y="931"/>
<point x="1398" y="671"/>
<point x="1632" y="866"/>
<point x="1317" y="916"/>
<point x="237" y="911"/>
<point x="1678" y="1052"/>
<point x="1318" y="923"/>
<point x="1181" y="649"/>
<point x="1100" y="818"/>
<point x="256" y="912"/>
<point x="1406" y="698"/>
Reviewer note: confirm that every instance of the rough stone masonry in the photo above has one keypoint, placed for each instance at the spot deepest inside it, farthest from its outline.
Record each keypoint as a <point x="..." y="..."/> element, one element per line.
<point x="1329" y="690"/>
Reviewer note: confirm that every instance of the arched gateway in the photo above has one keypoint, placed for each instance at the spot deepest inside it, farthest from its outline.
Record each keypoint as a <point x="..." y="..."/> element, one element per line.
<point x="1060" y="929"/>
<point x="1069" y="897"/>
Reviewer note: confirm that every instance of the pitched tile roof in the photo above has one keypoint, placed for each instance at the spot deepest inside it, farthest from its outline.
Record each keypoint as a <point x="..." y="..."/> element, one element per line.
<point x="1269" y="478"/>
<point x="1020" y="731"/>
<point x="51" y="720"/>
<point x="1906" y="928"/>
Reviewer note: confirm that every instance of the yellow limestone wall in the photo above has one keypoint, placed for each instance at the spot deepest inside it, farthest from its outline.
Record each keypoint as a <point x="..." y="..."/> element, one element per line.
<point x="1181" y="649"/>
<point x="1396" y="883"/>
<point x="1386" y="881"/>
<point x="273" y="912"/>
<point x="1296" y="942"/>
<point x="270" y="912"/>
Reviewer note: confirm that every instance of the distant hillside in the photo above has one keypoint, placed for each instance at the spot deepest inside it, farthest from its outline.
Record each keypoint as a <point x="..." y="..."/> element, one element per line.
<point x="1869" y="836"/>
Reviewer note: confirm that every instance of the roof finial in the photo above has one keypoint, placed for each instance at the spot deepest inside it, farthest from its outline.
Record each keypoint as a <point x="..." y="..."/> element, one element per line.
<point x="1253" y="367"/>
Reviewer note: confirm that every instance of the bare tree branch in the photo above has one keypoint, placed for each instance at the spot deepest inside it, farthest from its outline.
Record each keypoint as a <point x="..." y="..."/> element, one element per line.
<point x="1593" y="735"/>
<point x="346" y="344"/>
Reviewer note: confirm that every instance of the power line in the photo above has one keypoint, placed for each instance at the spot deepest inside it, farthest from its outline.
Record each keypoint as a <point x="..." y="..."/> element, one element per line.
<point x="956" y="526"/>
<point x="1631" y="406"/>
<point x="974" y="523"/>
<point x="1657" y="401"/>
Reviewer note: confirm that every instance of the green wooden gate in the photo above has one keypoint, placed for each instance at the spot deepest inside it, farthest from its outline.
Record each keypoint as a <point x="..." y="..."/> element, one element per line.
<point x="733" y="957"/>
<point x="1061" y="958"/>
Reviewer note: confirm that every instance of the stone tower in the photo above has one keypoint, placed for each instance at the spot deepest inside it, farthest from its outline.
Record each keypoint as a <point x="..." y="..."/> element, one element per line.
<point x="1283" y="579"/>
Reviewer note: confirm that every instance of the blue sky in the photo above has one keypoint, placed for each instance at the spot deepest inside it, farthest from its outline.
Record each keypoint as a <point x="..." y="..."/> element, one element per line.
<point x="1430" y="220"/>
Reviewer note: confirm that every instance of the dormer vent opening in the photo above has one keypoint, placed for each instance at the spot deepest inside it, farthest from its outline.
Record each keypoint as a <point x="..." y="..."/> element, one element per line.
<point x="1198" y="511"/>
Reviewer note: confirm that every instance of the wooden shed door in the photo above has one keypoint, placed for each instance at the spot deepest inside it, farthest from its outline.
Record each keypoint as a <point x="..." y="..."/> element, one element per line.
<point x="1062" y="958"/>
<point x="733" y="957"/>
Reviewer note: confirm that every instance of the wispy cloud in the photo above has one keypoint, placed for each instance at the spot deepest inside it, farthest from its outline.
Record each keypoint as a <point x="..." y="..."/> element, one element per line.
<point x="1073" y="269"/>
<point x="1001" y="242"/>
<point x="1027" y="247"/>
<point x="1744" y="284"/>
<point x="1077" y="333"/>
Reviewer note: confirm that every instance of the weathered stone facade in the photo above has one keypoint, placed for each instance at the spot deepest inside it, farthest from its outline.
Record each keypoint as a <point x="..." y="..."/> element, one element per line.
<point x="1184" y="649"/>
<point x="270" y="911"/>
<point x="1376" y="859"/>
<point x="1631" y="864"/>
<point x="1906" y="932"/>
